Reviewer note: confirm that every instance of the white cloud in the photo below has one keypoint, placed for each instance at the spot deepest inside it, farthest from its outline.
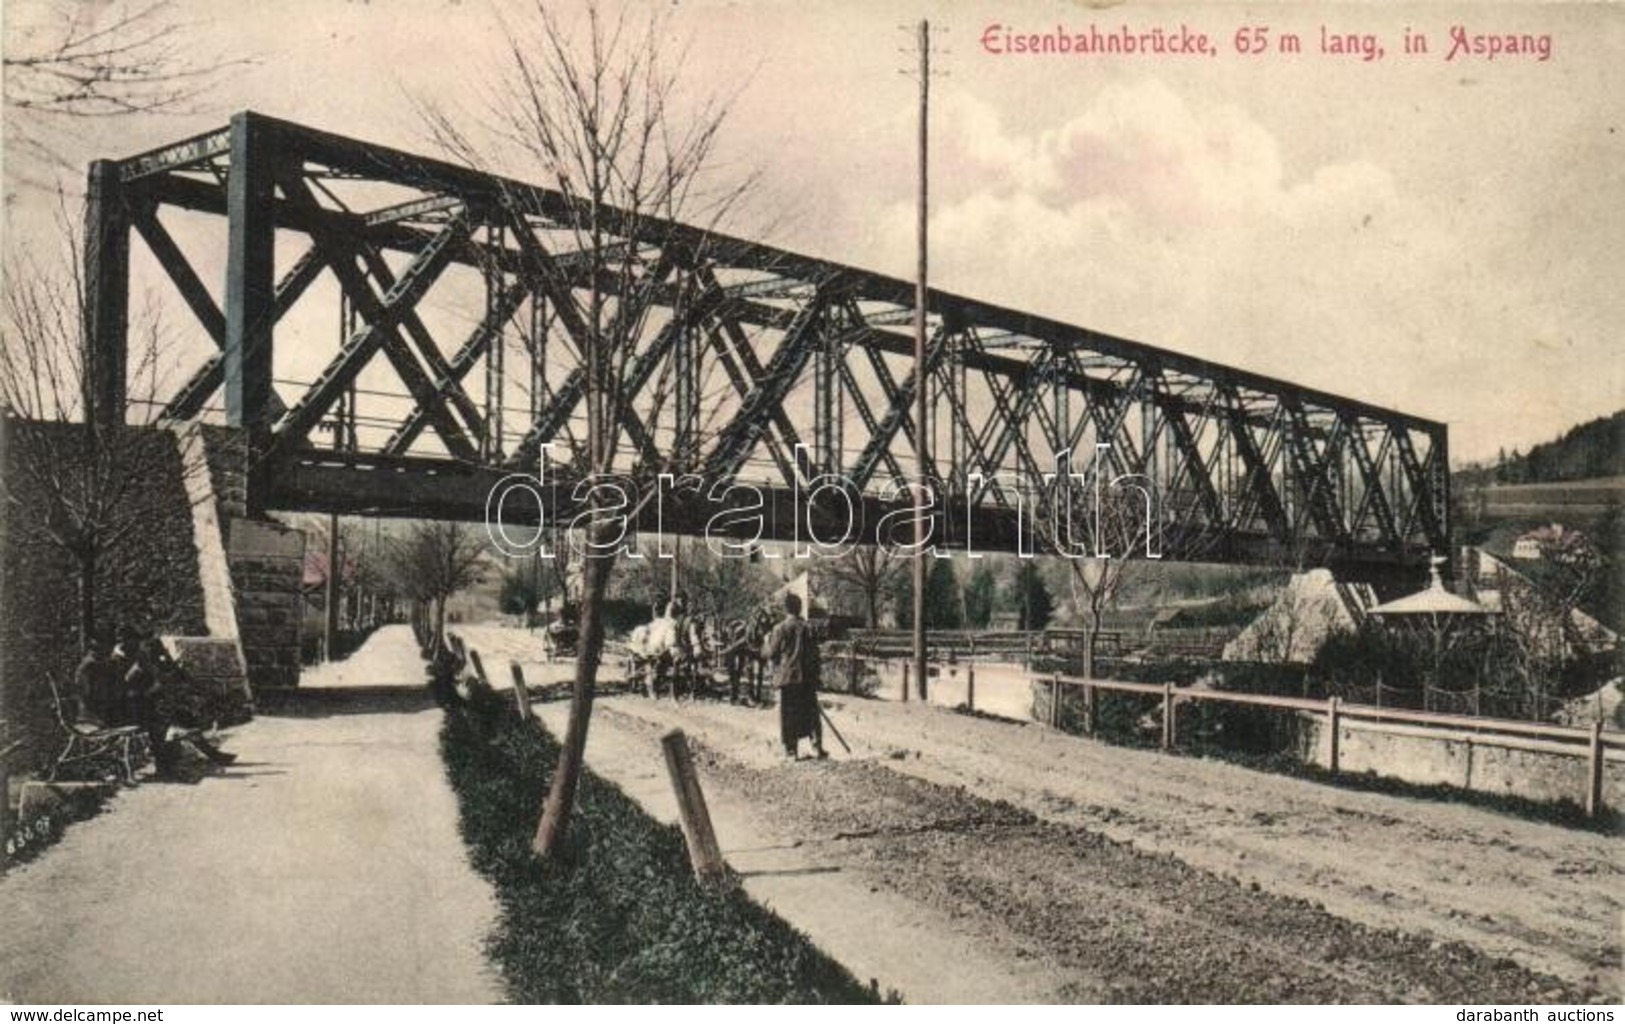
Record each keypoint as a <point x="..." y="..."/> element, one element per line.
<point x="1174" y="220"/>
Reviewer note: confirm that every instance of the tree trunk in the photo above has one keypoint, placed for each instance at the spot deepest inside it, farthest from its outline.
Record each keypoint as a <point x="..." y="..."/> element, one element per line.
<point x="87" y="600"/>
<point x="550" y="832"/>
<point x="439" y="623"/>
<point x="874" y="609"/>
<point x="1089" y="643"/>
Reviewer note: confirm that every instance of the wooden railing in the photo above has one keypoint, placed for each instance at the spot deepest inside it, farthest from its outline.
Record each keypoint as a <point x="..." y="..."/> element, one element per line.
<point x="1023" y="646"/>
<point x="1596" y="744"/>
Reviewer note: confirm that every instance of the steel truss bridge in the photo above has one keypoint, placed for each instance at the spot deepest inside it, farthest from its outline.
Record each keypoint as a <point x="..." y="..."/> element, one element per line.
<point x="446" y="352"/>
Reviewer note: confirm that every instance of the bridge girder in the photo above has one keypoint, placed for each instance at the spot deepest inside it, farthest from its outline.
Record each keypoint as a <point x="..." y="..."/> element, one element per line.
<point x="744" y="349"/>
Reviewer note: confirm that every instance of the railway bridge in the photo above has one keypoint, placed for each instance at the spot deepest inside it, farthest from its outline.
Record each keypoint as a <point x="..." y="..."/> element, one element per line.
<point x="392" y="334"/>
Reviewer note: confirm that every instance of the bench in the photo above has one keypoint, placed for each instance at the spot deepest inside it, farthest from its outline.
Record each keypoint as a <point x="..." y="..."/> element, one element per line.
<point x="106" y="750"/>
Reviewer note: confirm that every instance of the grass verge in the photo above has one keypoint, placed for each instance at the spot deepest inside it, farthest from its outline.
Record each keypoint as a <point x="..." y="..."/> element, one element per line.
<point x="26" y="838"/>
<point x="620" y="919"/>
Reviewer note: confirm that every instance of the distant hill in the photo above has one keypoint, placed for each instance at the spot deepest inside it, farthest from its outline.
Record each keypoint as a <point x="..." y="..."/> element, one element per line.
<point x="1590" y="450"/>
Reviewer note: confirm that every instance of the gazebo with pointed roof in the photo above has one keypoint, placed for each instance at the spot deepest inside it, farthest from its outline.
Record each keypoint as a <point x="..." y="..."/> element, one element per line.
<point x="1436" y="605"/>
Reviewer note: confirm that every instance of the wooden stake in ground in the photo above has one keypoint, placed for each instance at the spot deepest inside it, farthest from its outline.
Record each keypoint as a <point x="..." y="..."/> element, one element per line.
<point x="1594" y="771"/>
<point x="521" y="692"/>
<point x="5" y="805"/>
<point x="703" y="851"/>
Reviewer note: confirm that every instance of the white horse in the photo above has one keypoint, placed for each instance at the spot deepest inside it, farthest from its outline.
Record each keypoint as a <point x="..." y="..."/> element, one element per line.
<point x="654" y="650"/>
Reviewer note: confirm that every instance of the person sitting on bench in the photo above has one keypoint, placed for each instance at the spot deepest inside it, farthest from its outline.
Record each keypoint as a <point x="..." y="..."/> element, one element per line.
<point x="97" y="692"/>
<point x="154" y="684"/>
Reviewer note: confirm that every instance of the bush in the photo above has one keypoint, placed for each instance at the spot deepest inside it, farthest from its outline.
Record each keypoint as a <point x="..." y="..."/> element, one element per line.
<point x="28" y="838"/>
<point x="1179" y="671"/>
<point x="1232" y="609"/>
<point x="620" y="918"/>
<point x="1348" y="663"/>
<point x="622" y="615"/>
<point x="840" y="674"/>
<point x="1204" y="727"/>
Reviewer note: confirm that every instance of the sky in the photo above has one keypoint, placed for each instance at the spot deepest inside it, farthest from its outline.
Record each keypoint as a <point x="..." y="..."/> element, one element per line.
<point x="1441" y="236"/>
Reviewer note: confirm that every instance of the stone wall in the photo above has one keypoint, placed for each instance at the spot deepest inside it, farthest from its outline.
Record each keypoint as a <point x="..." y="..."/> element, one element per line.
<point x="227" y="452"/>
<point x="267" y="564"/>
<point x="208" y="536"/>
<point x="1422" y="756"/>
<point x="266" y="561"/>
<point x="149" y="581"/>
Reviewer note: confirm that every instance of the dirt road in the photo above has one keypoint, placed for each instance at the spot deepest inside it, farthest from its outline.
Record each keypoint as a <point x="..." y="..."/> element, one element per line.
<point x="324" y="866"/>
<point x="1113" y="874"/>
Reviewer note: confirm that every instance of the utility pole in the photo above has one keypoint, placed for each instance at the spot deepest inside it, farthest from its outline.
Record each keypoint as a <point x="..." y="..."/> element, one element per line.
<point x="922" y="508"/>
<point x="676" y="556"/>
<point x="343" y="438"/>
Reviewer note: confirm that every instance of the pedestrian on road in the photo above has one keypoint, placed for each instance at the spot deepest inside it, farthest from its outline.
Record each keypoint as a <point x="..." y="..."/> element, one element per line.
<point x="793" y="651"/>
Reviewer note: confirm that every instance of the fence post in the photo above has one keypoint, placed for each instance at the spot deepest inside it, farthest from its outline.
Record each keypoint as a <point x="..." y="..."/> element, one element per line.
<point x="1334" y="727"/>
<point x="1594" y="772"/>
<point x="521" y="692"/>
<point x="703" y="851"/>
<point x="970" y="686"/>
<point x="1089" y="709"/>
<point x="852" y="669"/>
<point x="1055" y="700"/>
<point x="1167" y="716"/>
<point x="908" y="676"/>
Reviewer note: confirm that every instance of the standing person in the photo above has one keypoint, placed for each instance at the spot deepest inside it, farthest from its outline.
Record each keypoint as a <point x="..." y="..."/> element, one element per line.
<point x="793" y="651"/>
<point x="739" y="655"/>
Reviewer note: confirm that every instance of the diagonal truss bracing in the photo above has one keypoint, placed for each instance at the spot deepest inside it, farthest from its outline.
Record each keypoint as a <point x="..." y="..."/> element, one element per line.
<point x="472" y="309"/>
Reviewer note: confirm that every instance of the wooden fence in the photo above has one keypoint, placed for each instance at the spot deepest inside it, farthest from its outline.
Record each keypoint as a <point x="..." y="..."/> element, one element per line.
<point x="1598" y="746"/>
<point x="1024" y="646"/>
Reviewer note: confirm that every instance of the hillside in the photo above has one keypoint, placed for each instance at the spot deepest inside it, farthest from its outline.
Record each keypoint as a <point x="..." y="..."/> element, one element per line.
<point x="1590" y="450"/>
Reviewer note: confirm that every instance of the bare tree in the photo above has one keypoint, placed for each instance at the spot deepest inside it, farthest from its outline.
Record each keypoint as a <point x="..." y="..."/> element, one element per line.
<point x="1539" y="609"/>
<point x="1115" y="530"/>
<point x="373" y="590"/>
<point x="1105" y="531"/>
<point x="71" y="481"/>
<point x="366" y="584"/>
<point x="74" y="481"/>
<point x="596" y="109"/>
<point x="68" y="64"/>
<point x="870" y="571"/>
<point x="729" y="586"/>
<point x="1096" y="583"/>
<point x="435" y="560"/>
